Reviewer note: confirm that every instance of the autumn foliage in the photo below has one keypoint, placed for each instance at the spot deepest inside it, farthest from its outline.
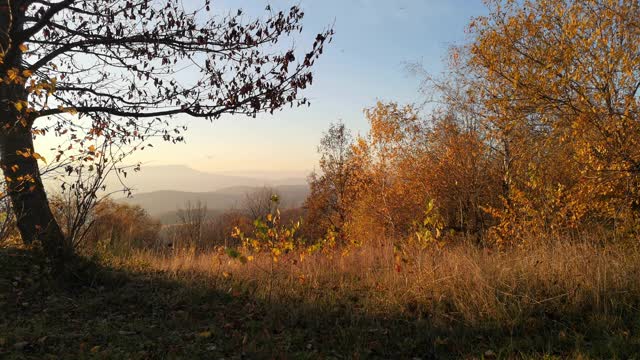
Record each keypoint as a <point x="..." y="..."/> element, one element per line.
<point x="534" y="131"/>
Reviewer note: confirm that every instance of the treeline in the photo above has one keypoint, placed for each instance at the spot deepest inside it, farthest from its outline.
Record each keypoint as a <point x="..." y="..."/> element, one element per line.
<point x="200" y="231"/>
<point x="532" y="133"/>
<point x="116" y="228"/>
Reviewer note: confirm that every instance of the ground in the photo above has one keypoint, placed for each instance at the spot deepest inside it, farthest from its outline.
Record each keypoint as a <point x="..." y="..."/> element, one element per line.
<point x="107" y="312"/>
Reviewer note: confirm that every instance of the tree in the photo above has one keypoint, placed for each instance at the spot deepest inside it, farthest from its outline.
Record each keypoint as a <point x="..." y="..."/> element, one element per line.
<point x="192" y="219"/>
<point x="258" y="204"/>
<point x="396" y="192"/>
<point x="466" y="168"/>
<point x="74" y="207"/>
<point x="331" y="190"/>
<point x="564" y="74"/>
<point x="114" y="69"/>
<point x="372" y="188"/>
<point x="120" y="228"/>
<point x="459" y="174"/>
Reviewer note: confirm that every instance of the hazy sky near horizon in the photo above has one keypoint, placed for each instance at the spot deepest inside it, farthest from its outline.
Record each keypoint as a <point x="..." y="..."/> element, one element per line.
<point x="367" y="61"/>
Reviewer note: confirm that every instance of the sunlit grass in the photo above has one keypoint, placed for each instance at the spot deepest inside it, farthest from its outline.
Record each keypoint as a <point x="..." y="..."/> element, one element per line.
<point x="578" y="298"/>
<point x="463" y="283"/>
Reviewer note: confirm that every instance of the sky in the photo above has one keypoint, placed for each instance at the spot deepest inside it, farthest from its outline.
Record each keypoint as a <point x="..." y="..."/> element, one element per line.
<point x="374" y="42"/>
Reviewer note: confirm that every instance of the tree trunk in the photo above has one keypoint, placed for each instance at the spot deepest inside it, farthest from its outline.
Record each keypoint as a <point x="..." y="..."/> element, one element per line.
<point x="28" y="198"/>
<point x="24" y="184"/>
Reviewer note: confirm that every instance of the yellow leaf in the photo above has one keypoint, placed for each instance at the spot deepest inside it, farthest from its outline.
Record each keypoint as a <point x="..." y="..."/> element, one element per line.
<point x="18" y="105"/>
<point x="25" y="154"/>
<point x="205" y="334"/>
<point x="23" y="47"/>
<point x="39" y="157"/>
<point x="27" y="73"/>
<point x="92" y="148"/>
<point x="12" y="74"/>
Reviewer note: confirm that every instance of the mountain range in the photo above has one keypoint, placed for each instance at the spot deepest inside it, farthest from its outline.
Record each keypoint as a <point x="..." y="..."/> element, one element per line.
<point x="184" y="178"/>
<point x="162" y="190"/>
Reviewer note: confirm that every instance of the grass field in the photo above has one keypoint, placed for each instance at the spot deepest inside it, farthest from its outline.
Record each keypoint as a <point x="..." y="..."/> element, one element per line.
<point x="553" y="301"/>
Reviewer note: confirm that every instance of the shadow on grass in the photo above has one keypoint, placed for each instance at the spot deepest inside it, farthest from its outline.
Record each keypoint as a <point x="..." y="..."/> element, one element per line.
<point x="108" y="313"/>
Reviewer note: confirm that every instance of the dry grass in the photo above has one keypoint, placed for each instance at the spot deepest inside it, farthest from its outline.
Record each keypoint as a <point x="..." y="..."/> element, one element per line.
<point x="462" y="283"/>
<point x="560" y="300"/>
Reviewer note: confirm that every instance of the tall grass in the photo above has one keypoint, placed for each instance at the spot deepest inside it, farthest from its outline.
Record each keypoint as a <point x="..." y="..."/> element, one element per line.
<point x="460" y="284"/>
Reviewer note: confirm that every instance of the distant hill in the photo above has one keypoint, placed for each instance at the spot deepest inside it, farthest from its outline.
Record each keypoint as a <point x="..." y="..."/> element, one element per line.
<point x="164" y="204"/>
<point x="184" y="178"/>
<point x="172" y="217"/>
<point x="291" y="195"/>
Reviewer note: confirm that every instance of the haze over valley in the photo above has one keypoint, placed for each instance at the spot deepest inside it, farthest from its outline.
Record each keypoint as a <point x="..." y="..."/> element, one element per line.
<point x="163" y="190"/>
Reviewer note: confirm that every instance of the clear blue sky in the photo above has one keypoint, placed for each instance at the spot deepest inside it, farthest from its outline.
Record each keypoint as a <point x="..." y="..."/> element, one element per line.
<point x="374" y="41"/>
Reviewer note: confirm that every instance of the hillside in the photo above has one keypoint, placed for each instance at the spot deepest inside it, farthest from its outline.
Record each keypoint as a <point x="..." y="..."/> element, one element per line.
<point x="184" y="178"/>
<point x="164" y="204"/>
